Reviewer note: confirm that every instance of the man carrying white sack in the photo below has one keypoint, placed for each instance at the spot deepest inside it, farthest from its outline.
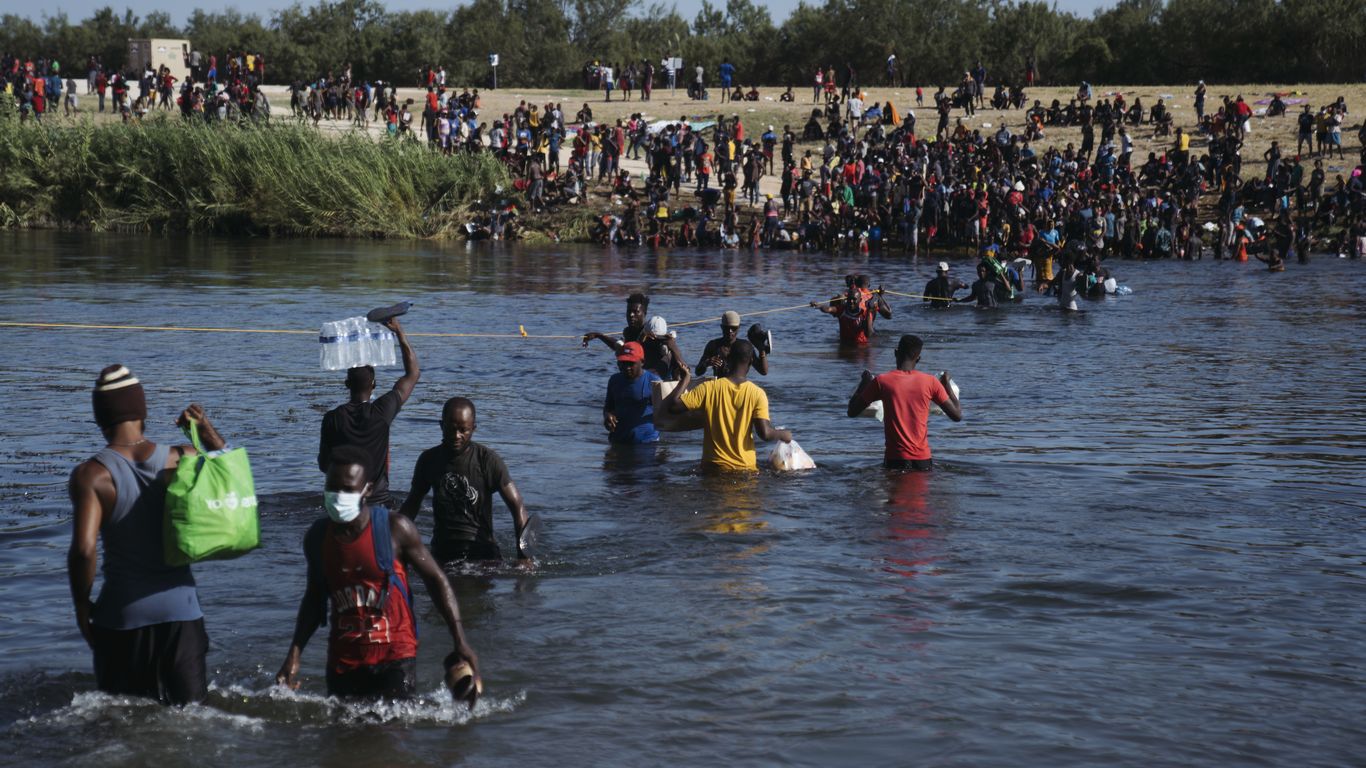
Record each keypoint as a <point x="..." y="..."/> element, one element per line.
<point x="906" y="395"/>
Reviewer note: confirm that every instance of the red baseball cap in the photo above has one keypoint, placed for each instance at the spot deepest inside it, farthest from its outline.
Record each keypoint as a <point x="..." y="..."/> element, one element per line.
<point x="631" y="352"/>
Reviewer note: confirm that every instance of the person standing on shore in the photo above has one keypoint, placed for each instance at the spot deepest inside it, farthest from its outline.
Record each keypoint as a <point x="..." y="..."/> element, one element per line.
<point x="365" y="424"/>
<point x="906" y="395"/>
<point x="146" y="629"/>
<point x="359" y="558"/>
<point x="734" y="409"/>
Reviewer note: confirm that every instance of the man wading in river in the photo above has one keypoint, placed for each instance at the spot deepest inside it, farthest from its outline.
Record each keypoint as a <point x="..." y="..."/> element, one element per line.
<point x="735" y="409"/>
<point x="146" y="629"/>
<point x="356" y="563"/>
<point x="906" y="395"/>
<point x="365" y="424"/>
<point x="464" y="475"/>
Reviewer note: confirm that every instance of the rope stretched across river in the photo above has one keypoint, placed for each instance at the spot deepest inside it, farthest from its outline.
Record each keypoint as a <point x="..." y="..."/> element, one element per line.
<point x="521" y="334"/>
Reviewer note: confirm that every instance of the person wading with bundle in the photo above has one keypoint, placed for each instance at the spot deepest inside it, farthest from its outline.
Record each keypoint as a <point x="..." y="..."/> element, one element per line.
<point x="735" y="409"/>
<point x="365" y="424"/>
<point x="358" y="561"/>
<point x="906" y="395"/>
<point x="146" y="628"/>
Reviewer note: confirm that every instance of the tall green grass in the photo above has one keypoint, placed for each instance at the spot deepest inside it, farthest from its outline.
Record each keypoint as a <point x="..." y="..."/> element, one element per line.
<point x="166" y="175"/>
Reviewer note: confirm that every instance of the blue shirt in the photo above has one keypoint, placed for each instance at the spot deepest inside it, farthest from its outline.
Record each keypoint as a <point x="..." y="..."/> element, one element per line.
<point x="629" y="401"/>
<point x="727" y="71"/>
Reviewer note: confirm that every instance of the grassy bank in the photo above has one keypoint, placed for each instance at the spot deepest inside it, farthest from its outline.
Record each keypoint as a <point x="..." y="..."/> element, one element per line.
<point x="165" y="175"/>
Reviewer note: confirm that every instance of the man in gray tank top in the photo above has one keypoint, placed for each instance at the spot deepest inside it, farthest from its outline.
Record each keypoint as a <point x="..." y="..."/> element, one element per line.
<point x="146" y="629"/>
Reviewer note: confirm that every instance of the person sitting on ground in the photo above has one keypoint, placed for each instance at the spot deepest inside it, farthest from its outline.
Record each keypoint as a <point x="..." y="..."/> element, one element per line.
<point x="787" y="96"/>
<point x="752" y="94"/>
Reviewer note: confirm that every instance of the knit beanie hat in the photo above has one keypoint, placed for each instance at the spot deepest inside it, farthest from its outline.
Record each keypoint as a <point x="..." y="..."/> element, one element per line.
<point x="118" y="397"/>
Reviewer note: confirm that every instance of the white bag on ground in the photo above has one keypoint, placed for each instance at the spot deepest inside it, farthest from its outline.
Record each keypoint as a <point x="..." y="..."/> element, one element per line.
<point x="789" y="457"/>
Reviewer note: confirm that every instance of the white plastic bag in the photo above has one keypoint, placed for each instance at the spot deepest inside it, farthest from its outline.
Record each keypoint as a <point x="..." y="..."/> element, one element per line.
<point x="789" y="457"/>
<point x="934" y="407"/>
<point x="874" y="410"/>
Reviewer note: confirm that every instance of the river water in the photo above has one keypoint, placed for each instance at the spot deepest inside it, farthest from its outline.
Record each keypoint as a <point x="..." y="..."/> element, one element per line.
<point x="1142" y="546"/>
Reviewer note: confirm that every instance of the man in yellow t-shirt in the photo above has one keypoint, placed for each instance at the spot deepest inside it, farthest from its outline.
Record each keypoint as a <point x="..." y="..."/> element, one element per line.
<point x="734" y="409"/>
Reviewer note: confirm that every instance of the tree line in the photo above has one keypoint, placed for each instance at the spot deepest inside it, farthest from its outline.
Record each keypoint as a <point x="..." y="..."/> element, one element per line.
<point x="547" y="43"/>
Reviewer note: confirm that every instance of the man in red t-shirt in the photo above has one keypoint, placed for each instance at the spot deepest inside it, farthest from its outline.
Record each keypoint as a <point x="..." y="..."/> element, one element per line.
<point x="906" y="395"/>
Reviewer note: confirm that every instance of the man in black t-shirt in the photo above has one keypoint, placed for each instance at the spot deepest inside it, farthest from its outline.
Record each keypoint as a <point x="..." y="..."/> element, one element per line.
<point x="463" y="476"/>
<point x="365" y="424"/>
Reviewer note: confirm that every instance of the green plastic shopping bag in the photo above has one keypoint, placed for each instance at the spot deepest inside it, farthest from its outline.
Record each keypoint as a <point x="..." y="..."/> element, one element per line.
<point x="211" y="506"/>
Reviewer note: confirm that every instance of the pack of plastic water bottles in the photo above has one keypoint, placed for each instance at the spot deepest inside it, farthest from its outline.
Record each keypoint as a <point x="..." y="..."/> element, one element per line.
<point x="354" y="342"/>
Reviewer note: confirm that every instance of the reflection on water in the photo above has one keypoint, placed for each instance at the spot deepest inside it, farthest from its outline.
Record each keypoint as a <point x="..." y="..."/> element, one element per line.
<point x="1145" y="538"/>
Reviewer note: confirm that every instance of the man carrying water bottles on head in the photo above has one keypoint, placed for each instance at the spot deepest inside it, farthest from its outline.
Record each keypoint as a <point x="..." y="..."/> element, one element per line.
<point x="735" y="409"/>
<point x="358" y="560"/>
<point x="365" y="424"/>
<point x="906" y="395"/>
<point x="146" y="628"/>
<point x="463" y="476"/>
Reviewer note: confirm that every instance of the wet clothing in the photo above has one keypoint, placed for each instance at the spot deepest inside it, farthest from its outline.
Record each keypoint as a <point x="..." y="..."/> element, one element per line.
<point x="728" y="430"/>
<point x="906" y="398"/>
<point x="854" y="324"/>
<point x="630" y="401"/>
<point x="463" y="486"/>
<point x="372" y="623"/>
<point x="391" y="680"/>
<point x="913" y="465"/>
<point x="940" y="287"/>
<point x="984" y="293"/>
<point x="365" y="425"/>
<point x="160" y="661"/>
<point x="139" y="589"/>
<point x="658" y="358"/>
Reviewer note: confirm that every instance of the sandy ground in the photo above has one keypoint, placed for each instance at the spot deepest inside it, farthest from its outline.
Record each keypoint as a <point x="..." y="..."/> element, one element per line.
<point x="757" y="116"/>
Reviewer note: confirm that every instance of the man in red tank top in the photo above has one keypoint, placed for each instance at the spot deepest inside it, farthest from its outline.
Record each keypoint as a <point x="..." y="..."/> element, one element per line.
<point x="372" y="644"/>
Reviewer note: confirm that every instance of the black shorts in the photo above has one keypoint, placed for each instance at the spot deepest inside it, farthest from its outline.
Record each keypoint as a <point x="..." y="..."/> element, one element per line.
<point x="162" y="661"/>
<point x="914" y="465"/>
<point x="451" y="551"/>
<point x="390" y="680"/>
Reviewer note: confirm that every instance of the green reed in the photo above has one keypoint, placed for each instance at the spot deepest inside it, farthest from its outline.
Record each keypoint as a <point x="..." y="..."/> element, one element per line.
<point x="283" y="179"/>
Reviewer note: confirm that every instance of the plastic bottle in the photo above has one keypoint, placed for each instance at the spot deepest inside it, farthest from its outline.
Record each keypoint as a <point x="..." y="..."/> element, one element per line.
<point x="353" y="342"/>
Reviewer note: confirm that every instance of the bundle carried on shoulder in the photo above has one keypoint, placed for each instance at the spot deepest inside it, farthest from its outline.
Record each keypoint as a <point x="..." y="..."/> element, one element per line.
<point x="211" y="506"/>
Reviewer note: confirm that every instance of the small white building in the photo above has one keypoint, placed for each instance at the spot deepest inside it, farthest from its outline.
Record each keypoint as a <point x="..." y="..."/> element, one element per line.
<point x="172" y="54"/>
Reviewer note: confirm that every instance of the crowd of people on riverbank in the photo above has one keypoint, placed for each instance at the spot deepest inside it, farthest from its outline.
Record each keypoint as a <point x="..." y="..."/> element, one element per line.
<point x="858" y="174"/>
<point x="39" y="85"/>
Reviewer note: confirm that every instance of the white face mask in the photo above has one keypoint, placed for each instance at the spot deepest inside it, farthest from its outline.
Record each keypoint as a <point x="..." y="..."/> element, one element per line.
<point x="342" y="507"/>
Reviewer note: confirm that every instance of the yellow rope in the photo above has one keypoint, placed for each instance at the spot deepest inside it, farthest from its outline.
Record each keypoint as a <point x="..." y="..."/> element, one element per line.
<point x="92" y="326"/>
<point x="521" y="334"/>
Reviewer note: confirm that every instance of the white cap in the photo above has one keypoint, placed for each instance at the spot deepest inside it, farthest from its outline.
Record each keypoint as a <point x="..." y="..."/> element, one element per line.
<point x="657" y="327"/>
<point x="1019" y="186"/>
<point x="943" y="266"/>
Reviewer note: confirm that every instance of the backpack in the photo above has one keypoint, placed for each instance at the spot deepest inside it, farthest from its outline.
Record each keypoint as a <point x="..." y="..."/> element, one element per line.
<point x="384" y="556"/>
